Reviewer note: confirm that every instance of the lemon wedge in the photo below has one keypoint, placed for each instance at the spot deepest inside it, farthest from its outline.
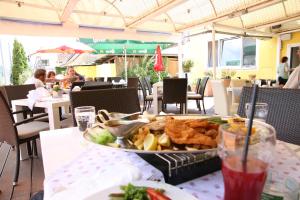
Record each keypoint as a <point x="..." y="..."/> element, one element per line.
<point x="150" y="142"/>
<point x="164" y="140"/>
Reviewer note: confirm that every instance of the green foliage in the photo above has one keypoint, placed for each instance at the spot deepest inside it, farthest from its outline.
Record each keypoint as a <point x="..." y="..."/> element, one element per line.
<point x="208" y="73"/>
<point x="19" y="63"/>
<point x="228" y="73"/>
<point x="27" y="73"/>
<point x="187" y="65"/>
<point x="145" y="69"/>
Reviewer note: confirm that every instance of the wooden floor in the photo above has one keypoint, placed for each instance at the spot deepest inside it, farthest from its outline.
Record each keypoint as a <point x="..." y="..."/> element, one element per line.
<point x="31" y="175"/>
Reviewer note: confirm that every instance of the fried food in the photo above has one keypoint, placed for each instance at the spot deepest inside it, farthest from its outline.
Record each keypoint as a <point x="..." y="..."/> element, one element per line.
<point x="196" y="131"/>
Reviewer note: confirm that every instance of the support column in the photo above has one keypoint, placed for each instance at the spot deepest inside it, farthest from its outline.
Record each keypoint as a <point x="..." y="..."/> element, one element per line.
<point x="213" y="34"/>
<point x="180" y="57"/>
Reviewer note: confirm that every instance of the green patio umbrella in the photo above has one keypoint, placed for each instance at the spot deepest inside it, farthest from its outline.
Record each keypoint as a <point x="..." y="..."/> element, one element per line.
<point x="124" y="47"/>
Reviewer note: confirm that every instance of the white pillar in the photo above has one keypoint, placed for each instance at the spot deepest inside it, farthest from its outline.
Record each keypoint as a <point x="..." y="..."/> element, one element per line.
<point x="213" y="34"/>
<point x="180" y="57"/>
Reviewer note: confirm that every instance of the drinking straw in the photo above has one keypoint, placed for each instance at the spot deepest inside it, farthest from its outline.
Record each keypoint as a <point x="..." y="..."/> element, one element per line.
<point x="250" y="123"/>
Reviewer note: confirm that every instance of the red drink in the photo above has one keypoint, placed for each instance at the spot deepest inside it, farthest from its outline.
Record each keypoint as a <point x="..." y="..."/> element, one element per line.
<point x="243" y="184"/>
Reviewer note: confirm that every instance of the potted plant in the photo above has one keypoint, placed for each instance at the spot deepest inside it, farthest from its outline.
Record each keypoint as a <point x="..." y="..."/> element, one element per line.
<point x="57" y="91"/>
<point x="187" y="65"/>
<point x="227" y="74"/>
<point x="208" y="90"/>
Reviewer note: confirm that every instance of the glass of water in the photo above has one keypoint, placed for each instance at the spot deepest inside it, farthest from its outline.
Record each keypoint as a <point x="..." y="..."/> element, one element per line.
<point x="85" y="117"/>
<point x="261" y="111"/>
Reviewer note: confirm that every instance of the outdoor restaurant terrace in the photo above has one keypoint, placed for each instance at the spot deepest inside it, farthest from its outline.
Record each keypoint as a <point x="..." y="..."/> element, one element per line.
<point x="149" y="99"/>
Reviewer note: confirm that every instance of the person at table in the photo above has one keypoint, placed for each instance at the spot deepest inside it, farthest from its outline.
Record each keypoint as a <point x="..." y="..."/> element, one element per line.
<point x="294" y="79"/>
<point x="70" y="77"/>
<point x="282" y="71"/>
<point x="51" y="77"/>
<point x="38" y="78"/>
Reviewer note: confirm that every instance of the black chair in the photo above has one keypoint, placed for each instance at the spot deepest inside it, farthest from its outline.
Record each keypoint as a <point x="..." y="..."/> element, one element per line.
<point x="77" y="83"/>
<point x="124" y="100"/>
<point x="99" y="79"/>
<point x="200" y="95"/>
<point x="133" y="82"/>
<point x="115" y="79"/>
<point x="175" y="91"/>
<point x="147" y="98"/>
<point x="284" y="109"/>
<point x="14" y="92"/>
<point x="18" y="133"/>
<point x="96" y="85"/>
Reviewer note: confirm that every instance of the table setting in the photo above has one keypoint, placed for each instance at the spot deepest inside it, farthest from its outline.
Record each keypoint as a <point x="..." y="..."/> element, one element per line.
<point x="102" y="166"/>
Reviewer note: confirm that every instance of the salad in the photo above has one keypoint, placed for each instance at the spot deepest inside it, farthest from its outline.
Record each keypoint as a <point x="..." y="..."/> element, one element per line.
<point x="132" y="192"/>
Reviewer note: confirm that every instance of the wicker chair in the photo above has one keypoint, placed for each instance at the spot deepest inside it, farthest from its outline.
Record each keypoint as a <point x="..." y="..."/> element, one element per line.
<point x="96" y="85"/>
<point x="148" y="98"/>
<point x="284" y="109"/>
<point x="200" y="95"/>
<point x="148" y="84"/>
<point x="18" y="133"/>
<point x="115" y="79"/>
<point x="133" y="82"/>
<point x="124" y="100"/>
<point x="175" y="91"/>
<point x="99" y="79"/>
<point x="14" y="92"/>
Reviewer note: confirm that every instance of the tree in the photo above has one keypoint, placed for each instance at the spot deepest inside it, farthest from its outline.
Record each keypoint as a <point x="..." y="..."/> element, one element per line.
<point x="20" y="64"/>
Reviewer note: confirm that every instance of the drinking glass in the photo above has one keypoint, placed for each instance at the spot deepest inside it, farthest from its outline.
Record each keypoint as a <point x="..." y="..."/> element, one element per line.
<point x="245" y="180"/>
<point x="261" y="111"/>
<point x="85" y="117"/>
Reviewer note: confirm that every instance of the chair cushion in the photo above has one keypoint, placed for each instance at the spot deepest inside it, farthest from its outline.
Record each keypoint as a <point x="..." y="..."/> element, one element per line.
<point x="194" y="96"/>
<point x="31" y="129"/>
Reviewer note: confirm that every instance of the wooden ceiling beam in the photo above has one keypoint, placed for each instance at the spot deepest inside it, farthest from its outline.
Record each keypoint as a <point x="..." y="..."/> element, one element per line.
<point x="162" y="8"/>
<point x="243" y="10"/>
<point x="68" y="10"/>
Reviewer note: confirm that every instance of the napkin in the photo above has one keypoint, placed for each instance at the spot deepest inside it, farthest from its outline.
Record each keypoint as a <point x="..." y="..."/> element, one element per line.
<point x="35" y="95"/>
<point x="87" y="186"/>
<point x="76" y="88"/>
<point x="122" y="81"/>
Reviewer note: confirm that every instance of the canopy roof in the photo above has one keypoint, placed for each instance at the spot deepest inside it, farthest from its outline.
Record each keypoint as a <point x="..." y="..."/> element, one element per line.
<point x="129" y="18"/>
<point x="117" y="47"/>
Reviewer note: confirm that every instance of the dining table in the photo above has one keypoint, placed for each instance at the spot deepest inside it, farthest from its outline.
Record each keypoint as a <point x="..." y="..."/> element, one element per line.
<point x="69" y="158"/>
<point x="51" y="105"/>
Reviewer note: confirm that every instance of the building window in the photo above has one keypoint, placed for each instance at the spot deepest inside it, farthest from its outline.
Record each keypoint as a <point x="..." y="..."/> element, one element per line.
<point x="234" y="53"/>
<point x="44" y="63"/>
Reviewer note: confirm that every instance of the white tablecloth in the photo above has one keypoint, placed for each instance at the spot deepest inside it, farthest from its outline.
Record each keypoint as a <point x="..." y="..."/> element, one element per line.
<point x="93" y="159"/>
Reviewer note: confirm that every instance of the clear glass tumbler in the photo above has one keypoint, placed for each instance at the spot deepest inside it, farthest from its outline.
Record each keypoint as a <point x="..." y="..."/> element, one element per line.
<point x="261" y="111"/>
<point x="245" y="180"/>
<point x="85" y="117"/>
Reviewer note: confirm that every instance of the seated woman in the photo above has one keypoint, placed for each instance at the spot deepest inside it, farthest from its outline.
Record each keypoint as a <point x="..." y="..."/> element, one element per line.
<point x="51" y="77"/>
<point x="70" y="77"/>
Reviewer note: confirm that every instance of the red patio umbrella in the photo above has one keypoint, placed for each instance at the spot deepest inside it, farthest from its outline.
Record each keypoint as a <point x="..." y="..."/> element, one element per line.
<point x="158" y="65"/>
<point x="69" y="48"/>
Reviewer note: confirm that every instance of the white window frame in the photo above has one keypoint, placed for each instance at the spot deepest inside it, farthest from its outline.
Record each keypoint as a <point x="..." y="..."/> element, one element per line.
<point x="240" y="67"/>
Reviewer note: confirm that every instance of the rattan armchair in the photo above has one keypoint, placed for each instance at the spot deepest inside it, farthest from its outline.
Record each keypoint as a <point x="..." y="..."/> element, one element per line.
<point x="18" y="133"/>
<point x="175" y="91"/>
<point x="124" y="100"/>
<point x="284" y="110"/>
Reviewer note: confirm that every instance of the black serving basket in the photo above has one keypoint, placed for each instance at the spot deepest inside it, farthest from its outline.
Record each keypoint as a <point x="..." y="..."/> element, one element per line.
<point x="180" y="168"/>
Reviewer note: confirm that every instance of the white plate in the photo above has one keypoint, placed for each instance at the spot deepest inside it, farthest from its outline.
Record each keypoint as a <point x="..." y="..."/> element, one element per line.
<point x="172" y="192"/>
